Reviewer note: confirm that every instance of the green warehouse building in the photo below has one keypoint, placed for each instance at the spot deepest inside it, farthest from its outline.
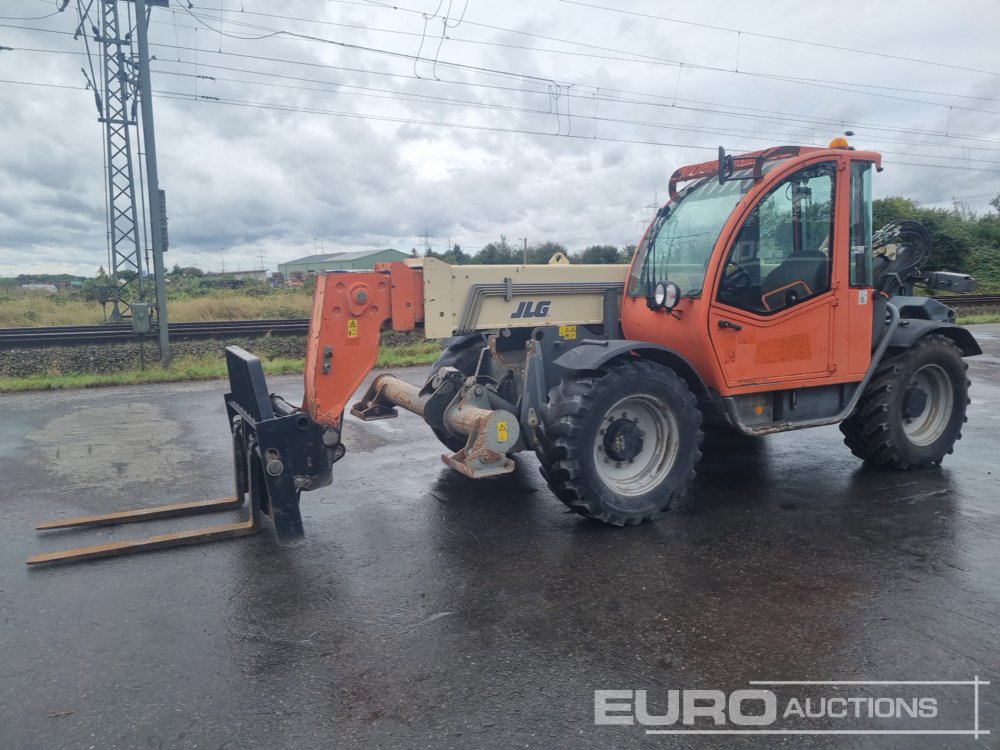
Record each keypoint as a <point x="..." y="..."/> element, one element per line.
<point x="359" y="260"/>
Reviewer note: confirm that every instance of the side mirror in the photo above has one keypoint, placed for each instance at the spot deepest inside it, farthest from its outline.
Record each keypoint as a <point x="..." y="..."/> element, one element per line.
<point x="725" y="165"/>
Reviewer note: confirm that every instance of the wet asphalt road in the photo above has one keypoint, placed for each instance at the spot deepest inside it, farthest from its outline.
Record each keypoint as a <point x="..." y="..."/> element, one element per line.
<point x="427" y="610"/>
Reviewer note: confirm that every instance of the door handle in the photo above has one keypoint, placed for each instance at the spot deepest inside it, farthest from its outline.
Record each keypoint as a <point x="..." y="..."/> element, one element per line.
<point x="727" y="324"/>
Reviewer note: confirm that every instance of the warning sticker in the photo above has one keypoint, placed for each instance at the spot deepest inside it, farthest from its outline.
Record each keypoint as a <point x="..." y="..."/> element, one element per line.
<point x="862" y="296"/>
<point x="567" y="332"/>
<point x="352" y="328"/>
<point x="502" y="432"/>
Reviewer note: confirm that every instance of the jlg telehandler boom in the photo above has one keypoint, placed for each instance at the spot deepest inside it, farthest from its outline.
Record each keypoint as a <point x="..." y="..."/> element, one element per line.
<point x="759" y="299"/>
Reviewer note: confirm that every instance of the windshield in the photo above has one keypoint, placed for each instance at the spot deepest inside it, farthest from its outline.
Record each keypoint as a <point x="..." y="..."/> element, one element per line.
<point x="679" y="244"/>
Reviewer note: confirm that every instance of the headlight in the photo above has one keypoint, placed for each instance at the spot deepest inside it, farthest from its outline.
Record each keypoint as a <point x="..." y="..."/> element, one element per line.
<point x="666" y="295"/>
<point x="660" y="294"/>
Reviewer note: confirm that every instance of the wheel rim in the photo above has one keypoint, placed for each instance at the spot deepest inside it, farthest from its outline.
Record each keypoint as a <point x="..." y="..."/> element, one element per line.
<point x="926" y="424"/>
<point x="636" y="444"/>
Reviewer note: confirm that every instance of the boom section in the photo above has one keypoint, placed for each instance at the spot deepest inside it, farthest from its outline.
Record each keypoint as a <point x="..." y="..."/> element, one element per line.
<point x="351" y="309"/>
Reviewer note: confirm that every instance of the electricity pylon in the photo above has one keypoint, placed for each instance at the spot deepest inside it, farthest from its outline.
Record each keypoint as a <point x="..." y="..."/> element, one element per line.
<point x="122" y="87"/>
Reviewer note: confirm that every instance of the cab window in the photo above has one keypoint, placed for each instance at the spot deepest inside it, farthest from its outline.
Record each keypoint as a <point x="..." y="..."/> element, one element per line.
<point x="781" y="256"/>
<point x="861" y="224"/>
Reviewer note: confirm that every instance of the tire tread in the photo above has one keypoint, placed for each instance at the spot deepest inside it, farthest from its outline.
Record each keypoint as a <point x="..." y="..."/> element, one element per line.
<point x="868" y="432"/>
<point x="561" y="440"/>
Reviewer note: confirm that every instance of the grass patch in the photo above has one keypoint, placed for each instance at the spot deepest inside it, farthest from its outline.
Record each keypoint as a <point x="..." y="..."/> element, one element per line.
<point x="209" y="367"/>
<point x="32" y="310"/>
<point x="29" y="310"/>
<point x="968" y="320"/>
<point x="236" y="306"/>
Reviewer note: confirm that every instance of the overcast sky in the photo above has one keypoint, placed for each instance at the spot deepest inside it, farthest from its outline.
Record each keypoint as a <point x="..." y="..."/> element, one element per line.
<point x="288" y="128"/>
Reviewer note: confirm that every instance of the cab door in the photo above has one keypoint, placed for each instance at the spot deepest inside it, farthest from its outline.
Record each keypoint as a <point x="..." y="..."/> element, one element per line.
<point x="772" y="315"/>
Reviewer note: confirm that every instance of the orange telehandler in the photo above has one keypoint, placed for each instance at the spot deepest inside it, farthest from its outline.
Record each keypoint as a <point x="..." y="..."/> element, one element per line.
<point x="759" y="299"/>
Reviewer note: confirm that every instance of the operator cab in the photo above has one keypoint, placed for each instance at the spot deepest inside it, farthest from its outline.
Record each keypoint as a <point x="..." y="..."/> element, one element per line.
<point x="782" y="252"/>
<point x="769" y="254"/>
<point x="781" y="255"/>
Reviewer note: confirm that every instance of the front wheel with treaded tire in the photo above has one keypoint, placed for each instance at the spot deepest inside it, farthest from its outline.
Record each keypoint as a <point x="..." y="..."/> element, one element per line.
<point x="912" y="411"/>
<point x="620" y="444"/>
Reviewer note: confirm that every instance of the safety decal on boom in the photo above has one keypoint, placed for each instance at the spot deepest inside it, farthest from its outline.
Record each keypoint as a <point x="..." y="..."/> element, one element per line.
<point x="352" y="328"/>
<point x="567" y="332"/>
<point x="502" y="432"/>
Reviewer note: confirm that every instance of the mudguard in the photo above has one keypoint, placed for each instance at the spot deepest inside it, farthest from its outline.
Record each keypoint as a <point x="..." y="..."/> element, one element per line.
<point x="593" y="353"/>
<point x="910" y="330"/>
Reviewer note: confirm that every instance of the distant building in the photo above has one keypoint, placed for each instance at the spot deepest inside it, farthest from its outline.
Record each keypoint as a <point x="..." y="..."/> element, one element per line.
<point x="354" y="261"/>
<point x="46" y="288"/>
<point x="256" y="274"/>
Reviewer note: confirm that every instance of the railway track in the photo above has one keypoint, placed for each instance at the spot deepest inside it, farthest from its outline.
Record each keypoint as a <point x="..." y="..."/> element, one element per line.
<point x="971" y="300"/>
<point x="16" y="338"/>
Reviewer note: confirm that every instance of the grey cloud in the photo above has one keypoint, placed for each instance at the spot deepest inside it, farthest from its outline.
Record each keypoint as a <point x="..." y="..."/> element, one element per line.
<point x="254" y="179"/>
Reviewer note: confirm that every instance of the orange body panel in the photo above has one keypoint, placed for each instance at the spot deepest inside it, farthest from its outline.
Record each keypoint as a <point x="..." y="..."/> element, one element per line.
<point x="349" y="312"/>
<point x="406" y="294"/>
<point x="821" y="341"/>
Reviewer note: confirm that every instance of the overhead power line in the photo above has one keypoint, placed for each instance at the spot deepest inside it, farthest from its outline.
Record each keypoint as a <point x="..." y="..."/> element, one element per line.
<point x="490" y="128"/>
<point x="396" y="96"/>
<point x="646" y="60"/>
<point x="633" y="56"/>
<point x="392" y="94"/>
<point x="451" y="101"/>
<point x="811" y="43"/>
<point x="568" y="93"/>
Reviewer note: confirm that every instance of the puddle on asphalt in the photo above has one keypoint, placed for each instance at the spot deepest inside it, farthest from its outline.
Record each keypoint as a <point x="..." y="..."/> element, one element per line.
<point x="111" y="447"/>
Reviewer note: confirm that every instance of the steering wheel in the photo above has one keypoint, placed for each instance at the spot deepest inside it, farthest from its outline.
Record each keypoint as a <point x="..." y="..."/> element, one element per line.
<point x="739" y="278"/>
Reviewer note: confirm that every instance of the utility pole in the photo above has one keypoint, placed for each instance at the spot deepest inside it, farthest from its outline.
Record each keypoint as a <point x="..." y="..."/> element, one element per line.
<point x="114" y="94"/>
<point x="157" y="198"/>
<point x="525" y="240"/>
<point x="122" y="88"/>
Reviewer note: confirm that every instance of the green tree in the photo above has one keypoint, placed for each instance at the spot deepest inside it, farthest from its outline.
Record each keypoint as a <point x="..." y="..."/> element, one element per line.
<point x="542" y="254"/>
<point x="600" y="254"/>
<point x="950" y="230"/>
<point x="458" y="255"/>
<point x="984" y="260"/>
<point x="497" y="253"/>
<point x="894" y="207"/>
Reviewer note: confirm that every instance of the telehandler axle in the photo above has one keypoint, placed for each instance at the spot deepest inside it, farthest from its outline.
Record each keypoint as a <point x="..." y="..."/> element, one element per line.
<point x="491" y="433"/>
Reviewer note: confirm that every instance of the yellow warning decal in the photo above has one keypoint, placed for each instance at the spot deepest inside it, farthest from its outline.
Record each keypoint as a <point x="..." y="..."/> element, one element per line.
<point x="352" y="328"/>
<point x="502" y="432"/>
<point x="567" y="332"/>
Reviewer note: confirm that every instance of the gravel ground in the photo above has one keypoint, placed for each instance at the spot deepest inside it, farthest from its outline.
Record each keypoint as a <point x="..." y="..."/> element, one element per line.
<point x="103" y="358"/>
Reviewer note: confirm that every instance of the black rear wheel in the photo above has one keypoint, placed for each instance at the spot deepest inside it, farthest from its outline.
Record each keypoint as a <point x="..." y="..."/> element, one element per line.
<point x="912" y="411"/>
<point x="620" y="444"/>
